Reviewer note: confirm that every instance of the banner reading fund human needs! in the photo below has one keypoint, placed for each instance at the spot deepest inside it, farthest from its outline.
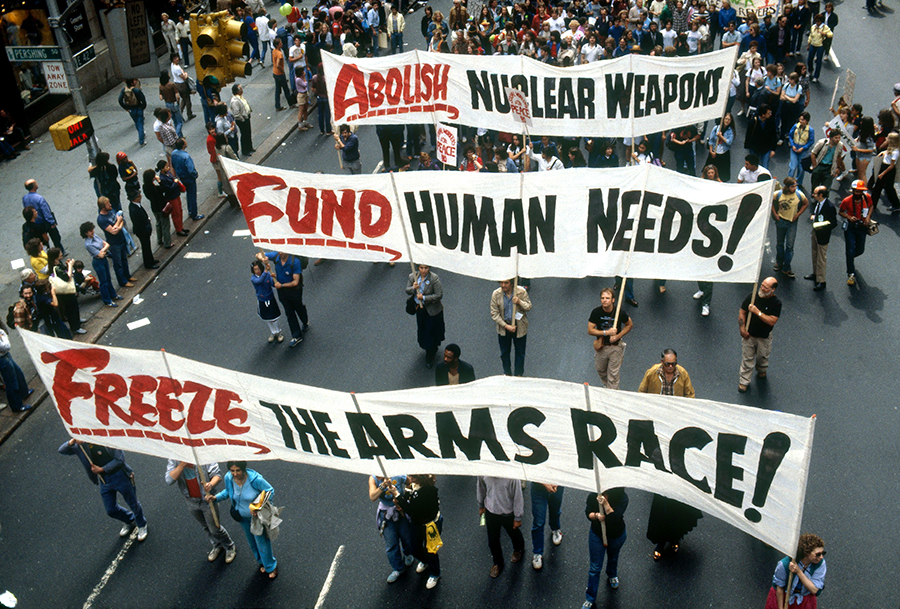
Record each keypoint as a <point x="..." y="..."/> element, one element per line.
<point x="743" y="465"/>
<point x="642" y="222"/>
<point x="631" y="95"/>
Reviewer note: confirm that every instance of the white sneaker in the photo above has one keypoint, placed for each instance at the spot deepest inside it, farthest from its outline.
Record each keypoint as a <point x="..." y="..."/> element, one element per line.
<point x="214" y="554"/>
<point x="408" y="560"/>
<point x="698" y="295"/>
<point x="125" y="531"/>
<point x="557" y="537"/>
<point x="394" y="576"/>
<point x="705" y="311"/>
<point x="432" y="582"/>
<point x="420" y="568"/>
<point x="537" y="561"/>
<point x="230" y="554"/>
<point x="142" y="533"/>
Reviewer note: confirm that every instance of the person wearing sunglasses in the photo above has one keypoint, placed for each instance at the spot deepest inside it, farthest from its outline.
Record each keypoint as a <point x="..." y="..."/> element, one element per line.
<point x="806" y="574"/>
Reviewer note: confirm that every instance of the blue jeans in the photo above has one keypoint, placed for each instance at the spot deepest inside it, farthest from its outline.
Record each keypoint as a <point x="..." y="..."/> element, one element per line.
<point x="685" y="162"/>
<point x="854" y="244"/>
<point x="101" y="270"/>
<point x="396" y="533"/>
<point x="16" y="385"/>
<point x="815" y="53"/>
<point x="175" y="109"/>
<point x="795" y="169"/>
<point x="541" y="501"/>
<point x="324" y="114"/>
<point x="119" y="482"/>
<point x="396" y="43"/>
<point x="507" y="340"/>
<point x="264" y="48"/>
<point x="628" y="290"/>
<point x="118" y="253"/>
<point x="597" y="551"/>
<point x="190" y="193"/>
<point x="764" y="158"/>
<point x="785" y="233"/>
<point x="137" y="115"/>
<point x="261" y="546"/>
<point x="291" y="77"/>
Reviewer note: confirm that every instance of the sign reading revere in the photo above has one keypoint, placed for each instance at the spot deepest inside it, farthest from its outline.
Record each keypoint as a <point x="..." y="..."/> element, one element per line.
<point x="642" y="222"/>
<point x="631" y="95"/>
<point x="746" y="466"/>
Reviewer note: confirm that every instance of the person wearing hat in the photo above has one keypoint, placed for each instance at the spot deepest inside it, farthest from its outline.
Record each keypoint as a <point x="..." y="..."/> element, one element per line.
<point x="857" y="213"/>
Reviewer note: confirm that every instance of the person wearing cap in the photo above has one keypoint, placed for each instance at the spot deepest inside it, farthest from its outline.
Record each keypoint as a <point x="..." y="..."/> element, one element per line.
<point x="857" y="211"/>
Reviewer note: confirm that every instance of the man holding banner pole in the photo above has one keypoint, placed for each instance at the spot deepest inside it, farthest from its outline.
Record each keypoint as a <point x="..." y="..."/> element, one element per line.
<point x="609" y="327"/>
<point x="756" y="337"/>
<point x="509" y="310"/>
<point x="193" y="488"/>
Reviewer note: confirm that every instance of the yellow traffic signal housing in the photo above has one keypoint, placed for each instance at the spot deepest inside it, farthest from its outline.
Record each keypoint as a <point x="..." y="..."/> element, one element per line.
<point x="71" y="132"/>
<point x="234" y="48"/>
<point x="218" y="50"/>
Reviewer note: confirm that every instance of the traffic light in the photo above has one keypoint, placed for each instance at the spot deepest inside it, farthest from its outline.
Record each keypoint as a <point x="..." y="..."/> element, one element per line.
<point x="218" y="48"/>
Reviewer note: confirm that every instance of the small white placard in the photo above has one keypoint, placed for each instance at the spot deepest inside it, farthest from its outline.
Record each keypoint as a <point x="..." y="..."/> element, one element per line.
<point x="139" y="324"/>
<point x="241" y="233"/>
<point x="17" y="264"/>
<point x="197" y="255"/>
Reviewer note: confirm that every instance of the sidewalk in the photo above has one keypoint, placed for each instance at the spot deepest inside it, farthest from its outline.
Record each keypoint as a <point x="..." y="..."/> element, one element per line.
<point x="63" y="180"/>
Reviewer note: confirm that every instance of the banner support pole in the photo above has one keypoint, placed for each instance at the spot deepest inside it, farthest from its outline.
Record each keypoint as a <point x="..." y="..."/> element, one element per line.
<point x="377" y="457"/>
<point x="587" y="402"/>
<point x="88" y="457"/>
<point x="412" y="263"/>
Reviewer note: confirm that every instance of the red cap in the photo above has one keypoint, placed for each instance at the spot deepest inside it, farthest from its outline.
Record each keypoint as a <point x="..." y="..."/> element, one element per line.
<point x="859" y="185"/>
<point x="121" y="157"/>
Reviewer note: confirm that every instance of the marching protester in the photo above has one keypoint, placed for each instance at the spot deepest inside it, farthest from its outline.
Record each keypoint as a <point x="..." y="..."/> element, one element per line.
<point x="856" y="210"/>
<point x="245" y="488"/>
<point x="756" y="338"/>
<point x="421" y="504"/>
<point x="289" y="283"/>
<point x="607" y="508"/>
<point x="826" y="161"/>
<point x="788" y="204"/>
<point x="544" y="498"/>
<point x="501" y="504"/>
<point x="193" y="488"/>
<point x="609" y="350"/>
<point x="391" y="523"/>
<point x="267" y="307"/>
<point x="106" y="467"/>
<point x="824" y="219"/>
<point x="425" y="289"/>
<point x="452" y="370"/>
<point x="806" y="574"/>
<point x="510" y="312"/>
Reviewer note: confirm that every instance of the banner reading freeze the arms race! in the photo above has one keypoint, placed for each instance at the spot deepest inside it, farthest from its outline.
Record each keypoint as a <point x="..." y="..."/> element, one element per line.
<point x="743" y="465"/>
<point x="629" y="96"/>
<point x="643" y="222"/>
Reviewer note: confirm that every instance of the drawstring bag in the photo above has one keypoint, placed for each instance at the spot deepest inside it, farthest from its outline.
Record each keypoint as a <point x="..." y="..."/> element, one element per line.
<point x="433" y="541"/>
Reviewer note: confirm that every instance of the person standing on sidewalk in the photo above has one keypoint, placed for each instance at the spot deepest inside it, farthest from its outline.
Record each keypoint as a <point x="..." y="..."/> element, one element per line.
<point x="107" y="467"/>
<point x="395" y="26"/>
<point x="183" y="34"/>
<point x="180" y="78"/>
<point x="154" y="193"/>
<point x="16" y="386"/>
<point x="168" y="93"/>
<point x="281" y="84"/>
<point x="184" y="475"/>
<point x="501" y="503"/>
<point x="184" y="168"/>
<point x="171" y="189"/>
<point x="45" y="220"/>
<point x="289" y="283"/>
<point x="99" y="251"/>
<point x="112" y="222"/>
<point x="857" y="211"/>
<point x="140" y="224"/>
<point x="240" y="110"/>
<point x="133" y="100"/>
<point x="167" y="26"/>
<point x="265" y="36"/>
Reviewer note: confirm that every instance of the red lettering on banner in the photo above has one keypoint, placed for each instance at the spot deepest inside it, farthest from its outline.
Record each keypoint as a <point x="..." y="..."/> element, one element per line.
<point x="368" y="201"/>
<point x="139" y="386"/>
<point x="70" y="361"/>
<point x="196" y="424"/>
<point x="139" y="433"/>
<point x="414" y="84"/>
<point x="225" y="414"/>
<point x="167" y="402"/>
<point x="343" y="212"/>
<point x="107" y="389"/>
<point x="247" y="183"/>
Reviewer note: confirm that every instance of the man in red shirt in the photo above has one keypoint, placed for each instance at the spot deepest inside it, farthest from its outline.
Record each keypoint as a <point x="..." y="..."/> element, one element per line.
<point x="857" y="211"/>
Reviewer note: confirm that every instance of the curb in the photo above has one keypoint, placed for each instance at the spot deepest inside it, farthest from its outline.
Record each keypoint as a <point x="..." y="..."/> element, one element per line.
<point x="9" y="420"/>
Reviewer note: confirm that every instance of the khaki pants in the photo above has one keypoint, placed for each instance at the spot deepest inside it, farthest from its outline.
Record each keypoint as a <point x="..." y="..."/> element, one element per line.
<point x="608" y="362"/>
<point x="818" y="259"/>
<point x="756" y="350"/>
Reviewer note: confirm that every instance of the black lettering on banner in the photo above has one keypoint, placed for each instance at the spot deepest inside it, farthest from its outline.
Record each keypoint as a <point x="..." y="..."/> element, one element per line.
<point x="480" y="89"/>
<point x="646" y="223"/>
<point x="515" y="425"/>
<point x="545" y="224"/>
<point x="586" y="98"/>
<point x="567" y="105"/>
<point x="513" y="228"/>
<point x="774" y="448"/>
<point x="667" y="243"/>
<point x="500" y="99"/>
<point x="728" y="445"/>
<point x="709" y="231"/>
<point x="639" y="80"/>
<point x="750" y="203"/>
<point x="586" y="449"/>
<point x="481" y="431"/>
<point x="549" y="97"/>
<point x="686" y="91"/>
<point x="364" y="429"/>
<point x="286" y="436"/>
<point x="448" y="228"/>
<point x="520" y="82"/>
<point x="618" y="93"/>
<point x="474" y="226"/>
<point x="305" y="429"/>
<point x="629" y="199"/>
<point x="331" y="438"/>
<point x="654" y="102"/>
<point x="606" y="220"/>
<point x="536" y="110"/>
<point x="396" y="425"/>
<point x="670" y="90"/>
<point x="689" y="437"/>
<point x="417" y="217"/>
<point x="707" y="87"/>
<point x="641" y="434"/>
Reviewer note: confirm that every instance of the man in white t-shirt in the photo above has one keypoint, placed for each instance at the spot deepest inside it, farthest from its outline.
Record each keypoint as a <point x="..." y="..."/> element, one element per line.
<point x="752" y="170"/>
<point x="262" y="28"/>
<point x="180" y="78"/>
<point x="297" y="60"/>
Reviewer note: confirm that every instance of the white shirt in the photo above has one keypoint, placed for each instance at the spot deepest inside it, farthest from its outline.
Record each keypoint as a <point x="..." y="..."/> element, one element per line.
<point x="262" y="27"/>
<point x="751" y="177"/>
<point x="669" y="37"/>
<point x="178" y="74"/>
<point x="297" y="56"/>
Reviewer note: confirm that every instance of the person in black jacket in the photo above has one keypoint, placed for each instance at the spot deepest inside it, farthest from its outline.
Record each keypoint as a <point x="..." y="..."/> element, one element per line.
<point x="823" y="211"/>
<point x="422" y="505"/>
<point x="762" y="136"/>
<point x="132" y="99"/>
<point x="154" y="193"/>
<point x="651" y="38"/>
<point x="609" y="507"/>
<point x="142" y="228"/>
<point x="453" y="371"/>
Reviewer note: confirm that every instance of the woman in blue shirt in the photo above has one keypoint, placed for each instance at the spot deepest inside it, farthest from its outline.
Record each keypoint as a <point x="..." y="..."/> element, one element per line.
<point x="807" y="575"/>
<point x="719" y="144"/>
<point x="243" y="486"/>
<point x="267" y="306"/>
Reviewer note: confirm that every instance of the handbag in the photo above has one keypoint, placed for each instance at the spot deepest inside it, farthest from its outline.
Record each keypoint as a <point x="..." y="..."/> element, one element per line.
<point x="382" y="40"/>
<point x="872" y="228"/>
<point x="806" y="164"/>
<point x="433" y="541"/>
<point x="192" y="84"/>
<point x="235" y="514"/>
<point x="411" y="305"/>
<point x="168" y="208"/>
<point x="62" y="287"/>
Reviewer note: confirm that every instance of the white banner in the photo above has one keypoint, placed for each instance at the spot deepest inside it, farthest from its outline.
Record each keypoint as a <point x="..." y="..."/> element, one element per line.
<point x="743" y="465"/>
<point x="744" y="8"/>
<point x="631" y="95"/>
<point x="642" y="222"/>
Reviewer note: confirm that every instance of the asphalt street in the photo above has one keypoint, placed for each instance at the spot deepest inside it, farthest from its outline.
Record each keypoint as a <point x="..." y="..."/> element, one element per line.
<point x="832" y="356"/>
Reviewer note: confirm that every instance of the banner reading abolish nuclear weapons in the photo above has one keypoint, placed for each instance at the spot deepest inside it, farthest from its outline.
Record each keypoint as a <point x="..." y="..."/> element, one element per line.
<point x="643" y="222"/>
<point x="631" y="95"/>
<point x="743" y="465"/>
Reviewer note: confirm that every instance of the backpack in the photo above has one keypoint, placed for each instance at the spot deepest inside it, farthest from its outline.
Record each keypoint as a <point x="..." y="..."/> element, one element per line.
<point x="11" y="316"/>
<point x="129" y="97"/>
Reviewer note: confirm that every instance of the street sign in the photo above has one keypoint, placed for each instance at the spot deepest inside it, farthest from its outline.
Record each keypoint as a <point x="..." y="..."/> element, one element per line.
<point x="82" y="58"/>
<point x="24" y="54"/>
<point x="55" y="75"/>
<point x="138" y="32"/>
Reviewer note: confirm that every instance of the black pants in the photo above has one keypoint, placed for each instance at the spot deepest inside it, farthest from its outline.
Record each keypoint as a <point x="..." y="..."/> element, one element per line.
<point x="68" y="306"/>
<point x="51" y="230"/>
<point x="397" y="142"/>
<point x="246" y="137"/>
<point x="292" y="301"/>
<point x="493" y="523"/>
<point x="146" y="250"/>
